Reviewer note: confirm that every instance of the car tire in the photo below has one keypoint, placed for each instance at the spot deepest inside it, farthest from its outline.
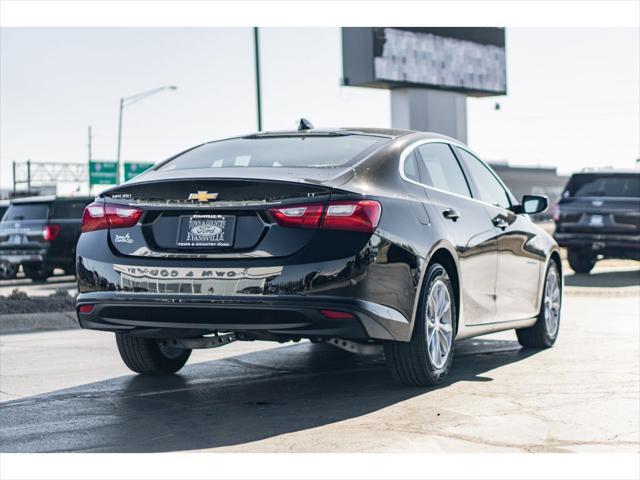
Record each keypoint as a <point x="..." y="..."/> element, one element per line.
<point x="413" y="363"/>
<point x="38" y="272"/>
<point x="8" y="270"/>
<point x="580" y="261"/>
<point x="544" y="332"/>
<point x="147" y="357"/>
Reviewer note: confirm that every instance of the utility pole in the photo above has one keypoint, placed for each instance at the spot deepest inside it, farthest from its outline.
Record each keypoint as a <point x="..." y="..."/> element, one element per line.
<point x="89" y="143"/>
<point x="89" y="165"/>
<point x="29" y="176"/>
<point x="256" y="51"/>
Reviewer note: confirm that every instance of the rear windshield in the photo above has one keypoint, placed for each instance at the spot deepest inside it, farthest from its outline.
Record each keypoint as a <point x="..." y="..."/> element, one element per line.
<point x="27" y="211"/>
<point x="68" y="209"/>
<point x="295" y="151"/>
<point x="604" y="186"/>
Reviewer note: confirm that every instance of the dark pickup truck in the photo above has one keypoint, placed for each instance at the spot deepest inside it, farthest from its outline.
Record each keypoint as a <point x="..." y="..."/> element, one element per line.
<point x="598" y="216"/>
<point x="40" y="233"/>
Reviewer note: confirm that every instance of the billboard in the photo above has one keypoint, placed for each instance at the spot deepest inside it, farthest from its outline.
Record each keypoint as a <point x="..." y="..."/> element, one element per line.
<point x="469" y="60"/>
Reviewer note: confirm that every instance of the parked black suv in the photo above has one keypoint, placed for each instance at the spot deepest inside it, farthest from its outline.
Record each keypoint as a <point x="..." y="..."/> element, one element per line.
<point x="7" y="269"/>
<point x="41" y="234"/>
<point x="598" y="216"/>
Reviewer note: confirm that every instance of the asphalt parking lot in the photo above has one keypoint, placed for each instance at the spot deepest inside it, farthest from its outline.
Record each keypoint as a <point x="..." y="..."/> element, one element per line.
<point x="69" y="391"/>
<point x="40" y="289"/>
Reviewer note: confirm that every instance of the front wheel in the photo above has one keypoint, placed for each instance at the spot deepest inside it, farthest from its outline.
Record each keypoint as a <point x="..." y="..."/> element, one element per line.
<point x="544" y="332"/>
<point x="148" y="357"/>
<point x="426" y="359"/>
<point x="580" y="261"/>
<point x="8" y="270"/>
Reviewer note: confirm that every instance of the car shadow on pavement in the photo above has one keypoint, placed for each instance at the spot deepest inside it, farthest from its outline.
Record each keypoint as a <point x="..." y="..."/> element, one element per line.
<point x="626" y="278"/>
<point x="227" y="402"/>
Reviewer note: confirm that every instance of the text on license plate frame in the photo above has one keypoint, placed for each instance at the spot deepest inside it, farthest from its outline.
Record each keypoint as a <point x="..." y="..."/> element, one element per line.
<point x="206" y="231"/>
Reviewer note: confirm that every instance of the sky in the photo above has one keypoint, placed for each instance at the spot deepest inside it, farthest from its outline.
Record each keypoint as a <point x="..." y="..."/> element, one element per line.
<point x="573" y="96"/>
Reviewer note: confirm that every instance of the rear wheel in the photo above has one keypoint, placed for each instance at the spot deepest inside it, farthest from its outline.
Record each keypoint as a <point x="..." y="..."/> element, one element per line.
<point x="146" y="356"/>
<point x="8" y="270"/>
<point x="544" y="332"/>
<point x="426" y="359"/>
<point x="38" y="272"/>
<point x="580" y="261"/>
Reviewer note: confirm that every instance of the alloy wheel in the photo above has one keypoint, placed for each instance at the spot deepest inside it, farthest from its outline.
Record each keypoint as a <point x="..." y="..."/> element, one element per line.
<point x="552" y="302"/>
<point x="439" y="324"/>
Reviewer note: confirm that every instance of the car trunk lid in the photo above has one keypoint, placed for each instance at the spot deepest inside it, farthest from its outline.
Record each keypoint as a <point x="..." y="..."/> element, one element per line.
<point x="188" y="215"/>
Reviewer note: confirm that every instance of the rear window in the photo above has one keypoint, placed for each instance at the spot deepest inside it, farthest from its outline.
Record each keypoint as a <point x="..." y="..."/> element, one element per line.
<point x="68" y="209"/>
<point x="625" y="186"/>
<point x="295" y="151"/>
<point x="27" y="211"/>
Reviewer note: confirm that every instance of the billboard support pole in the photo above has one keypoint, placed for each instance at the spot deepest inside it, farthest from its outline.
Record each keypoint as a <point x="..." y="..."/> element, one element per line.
<point x="256" y="51"/>
<point x="430" y="110"/>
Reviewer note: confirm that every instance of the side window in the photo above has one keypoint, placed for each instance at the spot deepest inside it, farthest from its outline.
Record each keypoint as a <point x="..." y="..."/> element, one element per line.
<point x="490" y="189"/>
<point x="411" y="168"/>
<point x="443" y="169"/>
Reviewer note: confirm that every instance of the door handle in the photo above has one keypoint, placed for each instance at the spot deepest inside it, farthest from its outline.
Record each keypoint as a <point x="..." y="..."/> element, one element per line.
<point x="451" y="214"/>
<point x="500" y="223"/>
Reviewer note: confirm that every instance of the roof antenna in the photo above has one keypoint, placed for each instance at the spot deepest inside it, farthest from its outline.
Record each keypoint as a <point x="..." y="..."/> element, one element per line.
<point x="304" y="125"/>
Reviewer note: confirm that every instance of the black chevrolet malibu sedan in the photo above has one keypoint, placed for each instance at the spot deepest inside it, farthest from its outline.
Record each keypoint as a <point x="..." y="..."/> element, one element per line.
<point x="368" y="239"/>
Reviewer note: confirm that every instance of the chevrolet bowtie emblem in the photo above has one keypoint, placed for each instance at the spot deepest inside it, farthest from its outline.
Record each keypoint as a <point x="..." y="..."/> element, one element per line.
<point x="203" y="196"/>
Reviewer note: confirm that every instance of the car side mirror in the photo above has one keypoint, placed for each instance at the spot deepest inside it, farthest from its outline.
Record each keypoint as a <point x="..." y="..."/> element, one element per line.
<point x="532" y="204"/>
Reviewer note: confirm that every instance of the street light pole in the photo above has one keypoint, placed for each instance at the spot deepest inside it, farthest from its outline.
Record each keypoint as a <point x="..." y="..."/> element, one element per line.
<point x="125" y="102"/>
<point x="119" y="141"/>
<point x="89" y="157"/>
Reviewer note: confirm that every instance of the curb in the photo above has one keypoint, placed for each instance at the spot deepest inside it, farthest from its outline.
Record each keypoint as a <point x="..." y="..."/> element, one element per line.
<point x="603" y="292"/>
<point x="34" y="322"/>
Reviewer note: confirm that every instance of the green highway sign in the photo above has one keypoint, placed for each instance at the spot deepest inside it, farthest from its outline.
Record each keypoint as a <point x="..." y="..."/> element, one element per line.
<point x="102" y="173"/>
<point x="133" y="169"/>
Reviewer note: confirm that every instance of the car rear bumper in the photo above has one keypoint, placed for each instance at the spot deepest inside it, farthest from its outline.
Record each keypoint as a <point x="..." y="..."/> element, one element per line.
<point x="284" y="316"/>
<point x="629" y="245"/>
<point x="22" y="257"/>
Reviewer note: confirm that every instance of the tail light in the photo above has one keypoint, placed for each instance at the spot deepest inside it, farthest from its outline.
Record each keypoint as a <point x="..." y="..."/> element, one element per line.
<point x="555" y="212"/>
<point x="50" y="232"/>
<point x="99" y="216"/>
<point x="362" y="216"/>
<point x="359" y="216"/>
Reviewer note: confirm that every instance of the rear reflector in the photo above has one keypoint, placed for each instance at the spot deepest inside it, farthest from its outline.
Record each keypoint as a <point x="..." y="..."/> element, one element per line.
<point x="50" y="232"/>
<point x="99" y="216"/>
<point x="85" y="308"/>
<point x="336" y="314"/>
<point x="360" y="216"/>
